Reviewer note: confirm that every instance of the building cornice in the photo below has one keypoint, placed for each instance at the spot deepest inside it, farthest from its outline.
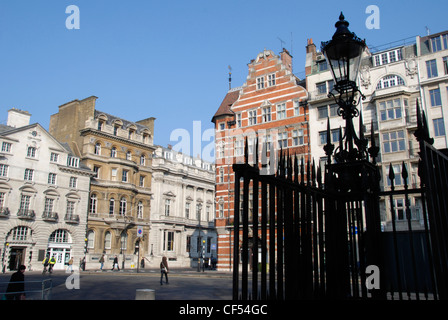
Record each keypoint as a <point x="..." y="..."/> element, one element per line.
<point x="87" y="131"/>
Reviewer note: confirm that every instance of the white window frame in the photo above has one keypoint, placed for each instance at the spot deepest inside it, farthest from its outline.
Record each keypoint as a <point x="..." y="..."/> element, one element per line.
<point x="125" y="175"/>
<point x="52" y="178"/>
<point x="31" y="152"/>
<point x="29" y="175"/>
<point x="238" y="119"/>
<point x="6" y="146"/>
<point x="391" y="109"/>
<point x="168" y="241"/>
<point x="140" y="209"/>
<point x="281" y="111"/>
<point x="282" y="139"/>
<point x="387" y="57"/>
<point x="394" y="137"/>
<point x="389" y="81"/>
<point x="252" y="117"/>
<point x="93" y="204"/>
<point x="54" y="157"/>
<point x="123" y="206"/>
<point x="260" y="83"/>
<point x="167" y="207"/>
<point x="298" y="137"/>
<point x="73" y="182"/>
<point x="4" y="168"/>
<point x="271" y="80"/>
<point x="266" y="114"/>
<point x="97" y="150"/>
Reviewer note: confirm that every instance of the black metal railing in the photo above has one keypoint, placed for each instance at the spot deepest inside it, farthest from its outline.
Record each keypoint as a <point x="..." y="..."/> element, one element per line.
<point x="303" y="232"/>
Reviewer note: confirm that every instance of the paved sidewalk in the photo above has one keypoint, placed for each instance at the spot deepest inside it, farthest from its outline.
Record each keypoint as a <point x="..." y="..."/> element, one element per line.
<point x="173" y="272"/>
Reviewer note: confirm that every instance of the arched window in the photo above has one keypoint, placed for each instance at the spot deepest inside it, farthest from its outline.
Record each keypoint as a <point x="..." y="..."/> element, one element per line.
<point x="107" y="240"/>
<point x="93" y="204"/>
<point x="60" y="236"/>
<point x="390" y="81"/>
<point x="142" y="160"/>
<point x="113" y="152"/>
<point x="98" y="148"/>
<point x="90" y="239"/>
<point x="111" y="206"/>
<point x="21" y="233"/>
<point x="123" y="205"/>
<point x="124" y="240"/>
<point x="140" y="210"/>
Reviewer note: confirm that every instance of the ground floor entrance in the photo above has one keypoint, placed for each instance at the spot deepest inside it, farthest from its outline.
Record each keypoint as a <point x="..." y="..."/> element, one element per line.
<point x="16" y="257"/>
<point x="62" y="256"/>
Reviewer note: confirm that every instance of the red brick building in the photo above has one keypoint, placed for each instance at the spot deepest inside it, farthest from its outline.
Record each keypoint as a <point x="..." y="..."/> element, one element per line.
<point x="270" y="106"/>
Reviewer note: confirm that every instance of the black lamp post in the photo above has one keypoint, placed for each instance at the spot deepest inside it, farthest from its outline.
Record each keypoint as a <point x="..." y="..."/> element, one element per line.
<point x="343" y="53"/>
<point x="353" y="177"/>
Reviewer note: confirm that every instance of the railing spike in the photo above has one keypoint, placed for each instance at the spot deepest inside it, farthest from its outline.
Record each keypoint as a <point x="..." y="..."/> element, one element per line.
<point x="329" y="147"/>
<point x="404" y="174"/>
<point x="256" y="152"/>
<point x="319" y="176"/>
<point x="246" y="151"/>
<point x="302" y="171"/>
<point x="391" y="175"/>
<point x="296" y="169"/>
<point x="313" y="174"/>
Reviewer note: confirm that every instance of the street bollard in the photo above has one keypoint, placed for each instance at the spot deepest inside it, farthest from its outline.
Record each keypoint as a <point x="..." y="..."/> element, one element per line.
<point x="145" y="294"/>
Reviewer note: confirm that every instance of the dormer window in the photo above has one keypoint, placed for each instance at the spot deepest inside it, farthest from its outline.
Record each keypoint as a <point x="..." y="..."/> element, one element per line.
<point x="73" y="162"/>
<point x="322" y="65"/>
<point x="387" y="57"/>
<point x="131" y="132"/>
<point x="439" y="43"/>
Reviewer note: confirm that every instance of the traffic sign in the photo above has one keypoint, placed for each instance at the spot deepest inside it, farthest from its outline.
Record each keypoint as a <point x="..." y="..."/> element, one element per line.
<point x="140" y="231"/>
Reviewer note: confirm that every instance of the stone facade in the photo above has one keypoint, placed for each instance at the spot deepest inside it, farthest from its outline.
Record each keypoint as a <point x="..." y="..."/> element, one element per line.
<point x="120" y="153"/>
<point x="44" y="192"/>
<point x="393" y="80"/>
<point x="182" y="210"/>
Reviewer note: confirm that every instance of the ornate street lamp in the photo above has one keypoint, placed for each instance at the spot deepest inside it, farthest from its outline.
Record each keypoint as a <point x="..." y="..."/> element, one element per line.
<point x="343" y="53"/>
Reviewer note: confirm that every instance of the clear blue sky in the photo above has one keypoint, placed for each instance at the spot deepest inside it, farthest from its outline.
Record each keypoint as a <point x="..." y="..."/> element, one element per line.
<point x="169" y="59"/>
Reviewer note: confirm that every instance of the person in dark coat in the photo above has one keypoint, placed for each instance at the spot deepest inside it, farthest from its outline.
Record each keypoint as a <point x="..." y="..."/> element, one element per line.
<point x="16" y="285"/>
<point x="164" y="270"/>
<point x="115" y="264"/>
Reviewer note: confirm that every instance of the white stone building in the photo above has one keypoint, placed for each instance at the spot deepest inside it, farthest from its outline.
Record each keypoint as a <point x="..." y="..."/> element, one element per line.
<point x="44" y="191"/>
<point x="432" y="52"/>
<point x="390" y="81"/>
<point x="182" y="209"/>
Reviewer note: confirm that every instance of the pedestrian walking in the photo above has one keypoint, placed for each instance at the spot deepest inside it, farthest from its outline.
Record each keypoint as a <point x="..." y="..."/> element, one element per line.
<point x="115" y="264"/>
<point x="16" y="286"/>
<point x="164" y="270"/>
<point x="82" y="264"/>
<point x="70" y="265"/>
<point x="101" y="261"/>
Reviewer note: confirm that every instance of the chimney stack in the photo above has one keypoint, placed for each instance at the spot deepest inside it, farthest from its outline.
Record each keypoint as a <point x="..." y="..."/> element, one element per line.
<point x="18" y="118"/>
